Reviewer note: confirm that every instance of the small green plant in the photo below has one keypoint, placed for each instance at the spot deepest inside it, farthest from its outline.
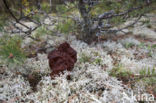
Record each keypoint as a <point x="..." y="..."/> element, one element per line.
<point x="150" y="48"/>
<point x="148" y="76"/>
<point x="146" y="22"/>
<point x="98" y="61"/>
<point x="154" y="46"/>
<point x="37" y="17"/>
<point x="11" y="51"/>
<point x="26" y="4"/>
<point x="41" y="31"/>
<point x="2" y="22"/>
<point x="45" y="7"/>
<point x="121" y="73"/>
<point x="66" y="26"/>
<point x="61" y="9"/>
<point x="85" y="58"/>
<point x="128" y="45"/>
<point x="96" y="53"/>
<point x="142" y="45"/>
<point x="148" y="72"/>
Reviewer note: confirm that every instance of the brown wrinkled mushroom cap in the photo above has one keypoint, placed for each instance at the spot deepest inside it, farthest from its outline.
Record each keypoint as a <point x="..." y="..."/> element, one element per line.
<point x="62" y="58"/>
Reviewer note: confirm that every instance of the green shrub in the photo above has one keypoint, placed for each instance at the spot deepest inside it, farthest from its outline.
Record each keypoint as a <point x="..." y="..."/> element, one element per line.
<point x="11" y="51"/>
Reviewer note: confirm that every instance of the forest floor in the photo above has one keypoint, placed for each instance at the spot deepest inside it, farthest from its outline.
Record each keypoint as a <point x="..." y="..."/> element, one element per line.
<point x="119" y="69"/>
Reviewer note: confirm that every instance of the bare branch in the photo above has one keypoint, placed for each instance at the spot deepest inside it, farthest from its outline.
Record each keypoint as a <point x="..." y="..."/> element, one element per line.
<point x="111" y="14"/>
<point x="114" y="31"/>
<point x="8" y="9"/>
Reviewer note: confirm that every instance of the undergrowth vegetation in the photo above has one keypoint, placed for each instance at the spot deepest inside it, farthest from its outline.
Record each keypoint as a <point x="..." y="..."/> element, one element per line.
<point x="11" y="51"/>
<point x="85" y="58"/>
<point x="41" y="31"/>
<point x="146" y="76"/>
<point x="104" y="58"/>
<point x="66" y="26"/>
<point x="121" y="73"/>
<point x="2" y="22"/>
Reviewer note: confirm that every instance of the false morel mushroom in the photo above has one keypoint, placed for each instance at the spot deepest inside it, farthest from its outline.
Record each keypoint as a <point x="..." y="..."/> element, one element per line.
<point x="62" y="58"/>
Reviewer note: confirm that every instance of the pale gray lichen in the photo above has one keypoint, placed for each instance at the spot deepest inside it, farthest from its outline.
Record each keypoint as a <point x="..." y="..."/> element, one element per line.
<point x="14" y="89"/>
<point x="129" y="40"/>
<point x="39" y="64"/>
<point x="88" y="82"/>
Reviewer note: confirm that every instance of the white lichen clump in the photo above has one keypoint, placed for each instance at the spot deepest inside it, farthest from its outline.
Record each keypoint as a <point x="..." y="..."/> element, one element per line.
<point x="130" y="40"/>
<point x="39" y="64"/>
<point x="13" y="89"/>
<point x="89" y="81"/>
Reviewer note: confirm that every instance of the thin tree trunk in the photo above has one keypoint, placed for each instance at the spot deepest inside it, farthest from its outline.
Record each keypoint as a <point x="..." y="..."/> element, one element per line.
<point x="88" y="34"/>
<point x="50" y="5"/>
<point x="38" y="4"/>
<point x="21" y="8"/>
